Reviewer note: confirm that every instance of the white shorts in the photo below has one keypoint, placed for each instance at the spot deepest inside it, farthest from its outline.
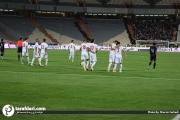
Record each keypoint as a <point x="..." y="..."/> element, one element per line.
<point x="71" y="53"/>
<point x="93" y="57"/>
<point x="25" y="53"/>
<point x="36" y="55"/>
<point x="118" y="59"/>
<point x="111" y="58"/>
<point x="44" y="55"/>
<point x="84" y="56"/>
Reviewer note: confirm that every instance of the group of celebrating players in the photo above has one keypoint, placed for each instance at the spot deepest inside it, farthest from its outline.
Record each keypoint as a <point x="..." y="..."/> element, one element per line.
<point x="115" y="55"/>
<point x="37" y="53"/>
<point x="40" y="52"/>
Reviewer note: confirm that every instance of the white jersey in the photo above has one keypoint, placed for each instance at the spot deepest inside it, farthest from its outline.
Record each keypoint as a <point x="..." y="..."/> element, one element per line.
<point x="118" y="51"/>
<point x="36" y="47"/>
<point x="43" y="47"/>
<point x="71" y="46"/>
<point x="93" y="47"/>
<point x="84" y="47"/>
<point x="24" y="45"/>
<point x="112" y="52"/>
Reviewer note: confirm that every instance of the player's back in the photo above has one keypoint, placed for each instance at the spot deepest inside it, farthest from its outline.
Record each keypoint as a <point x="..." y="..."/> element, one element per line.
<point x="93" y="47"/>
<point x="113" y="46"/>
<point x="36" y="47"/>
<point x="118" y="51"/>
<point x="24" y="45"/>
<point x="84" y="47"/>
<point x="71" y="46"/>
<point x="153" y="50"/>
<point x="43" y="47"/>
<point x="1" y="45"/>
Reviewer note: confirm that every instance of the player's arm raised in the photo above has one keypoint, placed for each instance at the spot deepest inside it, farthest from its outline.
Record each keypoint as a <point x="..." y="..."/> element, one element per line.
<point x="124" y="53"/>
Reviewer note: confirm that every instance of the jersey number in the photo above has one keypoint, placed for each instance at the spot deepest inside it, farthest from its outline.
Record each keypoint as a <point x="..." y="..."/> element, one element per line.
<point x="84" y="47"/>
<point x="42" y="47"/>
<point x="24" y="45"/>
<point x="92" y="47"/>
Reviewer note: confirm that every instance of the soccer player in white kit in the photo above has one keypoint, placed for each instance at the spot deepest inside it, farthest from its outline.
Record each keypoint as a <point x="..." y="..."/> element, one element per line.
<point x="93" y="49"/>
<point x="84" y="54"/>
<point x="112" y="55"/>
<point x="118" y="56"/>
<point x="36" y="52"/>
<point x="25" y="51"/>
<point x="44" y="53"/>
<point x="72" y="49"/>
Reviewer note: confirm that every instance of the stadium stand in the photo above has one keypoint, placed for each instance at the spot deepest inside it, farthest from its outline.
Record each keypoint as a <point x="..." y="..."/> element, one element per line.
<point x="61" y="25"/>
<point x="19" y="24"/>
<point x="106" y="30"/>
<point x="2" y="36"/>
<point x="153" y="29"/>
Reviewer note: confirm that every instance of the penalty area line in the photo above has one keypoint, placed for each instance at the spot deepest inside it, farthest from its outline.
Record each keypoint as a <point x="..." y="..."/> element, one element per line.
<point x="146" y="78"/>
<point x="177" y="117"/>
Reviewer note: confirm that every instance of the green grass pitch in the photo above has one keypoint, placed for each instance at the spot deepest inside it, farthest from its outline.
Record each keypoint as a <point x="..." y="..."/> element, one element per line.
<point x="64" y="85"/>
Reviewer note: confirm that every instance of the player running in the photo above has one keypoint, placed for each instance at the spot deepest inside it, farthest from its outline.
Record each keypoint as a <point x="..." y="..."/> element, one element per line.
<point x="25" y="51"/>
<point x="2" y="48"/>
<point x="84" y="55"/>
<point x="112" y="55"/>
<point x="153" y="55"/>
<point x="72" y="49"/>
<point x="19" y="46"/>
<point x="36" y="51"/>
<point x="93" y="49"/>
<point x="44" y="53"/>
<point x="118" y="56"/>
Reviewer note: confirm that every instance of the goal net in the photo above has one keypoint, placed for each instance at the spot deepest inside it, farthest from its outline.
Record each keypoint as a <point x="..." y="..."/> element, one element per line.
<point x="148" y="43"/>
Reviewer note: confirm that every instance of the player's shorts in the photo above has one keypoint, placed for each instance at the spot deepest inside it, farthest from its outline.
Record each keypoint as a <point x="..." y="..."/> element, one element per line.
<point x="2" y="50"/>
<point x="71" y="53"/>
<point x="44" y="55"/>
<point x="93" y="57"/>
<point x="111" y="58"/>
<point x="118" y="59"/>
<point x="153" y="58"/>
<point x="84" y="56"/>
<point x="19" y="50"/>
<point x="36" y="55"/>
<point x="25" y="53"/>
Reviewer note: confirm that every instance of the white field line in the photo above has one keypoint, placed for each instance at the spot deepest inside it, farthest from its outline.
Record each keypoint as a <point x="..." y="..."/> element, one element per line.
<point x="177" y="117"/>
<point x="90" y="75"/>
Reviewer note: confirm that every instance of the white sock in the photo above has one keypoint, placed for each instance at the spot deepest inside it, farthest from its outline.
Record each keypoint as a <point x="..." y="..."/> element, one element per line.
<point x="22" y="59"/>
<point x="72" y="58"/>
<point x="32" y="61"/>
<point x="115" y="65"/>
<point x="39" y="61"/>
<point x="120" y="67"/>
<point x="69" y="57"/>
<point x="28" y="59"/>
<point x="93" y="63"/>
<point x="109" y="65"/>
<point x="46" y="61"/>
<point x="83" y="64"/>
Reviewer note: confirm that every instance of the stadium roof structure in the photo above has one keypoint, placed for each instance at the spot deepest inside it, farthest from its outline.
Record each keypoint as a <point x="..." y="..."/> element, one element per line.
<point x="107" y="3"/>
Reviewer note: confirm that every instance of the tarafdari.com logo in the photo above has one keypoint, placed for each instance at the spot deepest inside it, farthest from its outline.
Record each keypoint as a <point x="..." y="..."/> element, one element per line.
<point x="8" y="110"/>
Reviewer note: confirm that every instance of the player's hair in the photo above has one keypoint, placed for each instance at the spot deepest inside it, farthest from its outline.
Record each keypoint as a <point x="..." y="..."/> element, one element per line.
<point x="118" y="43"/>
<point x="2" y="40"/>
<point x="25" y="39"/>
<point x="44" y="40"/>
<point x="72" y="40"/>
<point x="154" y="44"/>
<point x="37" y="39"/>
<point x="92" y="41"/>
<point x="84" y="40"/>
<point x="20" y="38"/>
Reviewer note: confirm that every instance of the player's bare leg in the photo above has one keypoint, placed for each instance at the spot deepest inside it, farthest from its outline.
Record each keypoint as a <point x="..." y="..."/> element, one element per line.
<point x="115" y="65"/>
